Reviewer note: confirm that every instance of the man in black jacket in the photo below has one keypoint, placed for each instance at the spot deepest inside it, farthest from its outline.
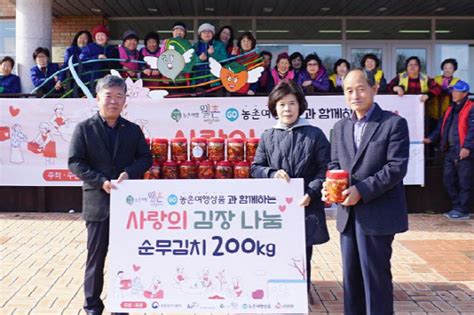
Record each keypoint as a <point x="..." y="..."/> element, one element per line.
<point x="103" y="148"/>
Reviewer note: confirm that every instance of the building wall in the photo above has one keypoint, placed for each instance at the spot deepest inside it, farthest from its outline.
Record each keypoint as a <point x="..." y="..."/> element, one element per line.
<point x="7" y="9"/>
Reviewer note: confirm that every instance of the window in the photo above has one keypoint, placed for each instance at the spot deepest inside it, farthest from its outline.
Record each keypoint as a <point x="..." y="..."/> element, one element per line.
<point x="461" y="54"/>
<point x="7" y="38"/>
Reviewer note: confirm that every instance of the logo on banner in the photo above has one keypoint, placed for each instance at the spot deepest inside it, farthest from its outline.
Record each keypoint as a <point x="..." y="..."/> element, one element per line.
<point x="172" y="200"/>
<point x="130" y="199"/>
<point x="176" y="115"/>
<point x="232" y="114"/>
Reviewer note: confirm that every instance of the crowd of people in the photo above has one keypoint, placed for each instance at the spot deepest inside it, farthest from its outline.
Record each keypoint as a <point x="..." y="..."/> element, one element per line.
<point x="308" y="71"/>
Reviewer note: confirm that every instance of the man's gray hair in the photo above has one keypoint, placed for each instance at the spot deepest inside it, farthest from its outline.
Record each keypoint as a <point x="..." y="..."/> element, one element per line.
<point x="368" y="75"/>
<point x="111" y="81"/>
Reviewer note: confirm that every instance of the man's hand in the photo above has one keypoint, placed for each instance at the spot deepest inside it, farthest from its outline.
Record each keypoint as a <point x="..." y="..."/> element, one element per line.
<point x="282" y="174"/>
<point x="427" y="141"/>
<point x="123" y="176"/>
<point x="464" y="153"/>
<point x="305" y="201"/>
<point x="324" y="193"/>
<point x="399" y="90"/>
<point x="353" y="196"/>
<point x="107" y="186"/>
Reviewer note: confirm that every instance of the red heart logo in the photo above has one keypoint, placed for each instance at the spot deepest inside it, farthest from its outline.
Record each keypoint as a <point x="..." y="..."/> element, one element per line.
<point x="135" y="267"/>
<point x="13" y="111"/>
<point x="289" y="200"/>
<point x="282" y="208"/>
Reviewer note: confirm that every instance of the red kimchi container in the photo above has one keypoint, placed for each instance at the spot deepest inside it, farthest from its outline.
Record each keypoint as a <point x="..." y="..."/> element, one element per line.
<point x="235" y="150"/>
<point x="188" y="170"/>
<point x="242" y="170"/>
<point x="224" y="170"/>
<point x="206" y="170"/>
<point x="198" y="149"/>
<point x="170" y="170"/>
<point x="159" y="149"/>
<point x="336" y="182"/>
<point x="216" y="149"/>
<point x="179" y="149"/>
<point x="251" y="148"/>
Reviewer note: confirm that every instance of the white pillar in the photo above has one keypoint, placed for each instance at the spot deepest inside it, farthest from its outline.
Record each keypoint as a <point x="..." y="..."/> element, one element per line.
<point x="33" y="29"/>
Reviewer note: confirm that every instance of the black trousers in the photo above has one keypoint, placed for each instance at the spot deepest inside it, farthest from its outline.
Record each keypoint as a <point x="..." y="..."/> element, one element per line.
<point x="97" y="246"/>
<point x="458" y="178"/>
<point x="367" y="277"/>
<point x="309" y="254"/>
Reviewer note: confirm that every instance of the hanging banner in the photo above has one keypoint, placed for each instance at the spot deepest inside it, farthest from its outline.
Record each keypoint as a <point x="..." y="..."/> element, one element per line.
<point x="35" y="133"/>
<point x="230" y="246"/>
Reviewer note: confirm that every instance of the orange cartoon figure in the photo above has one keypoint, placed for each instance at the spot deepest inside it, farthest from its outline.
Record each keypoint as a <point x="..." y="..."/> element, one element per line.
<point x="234" y="75"/>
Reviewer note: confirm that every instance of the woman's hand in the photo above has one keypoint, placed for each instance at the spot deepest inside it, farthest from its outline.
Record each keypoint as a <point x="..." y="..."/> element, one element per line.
<point x="282" y="174"/>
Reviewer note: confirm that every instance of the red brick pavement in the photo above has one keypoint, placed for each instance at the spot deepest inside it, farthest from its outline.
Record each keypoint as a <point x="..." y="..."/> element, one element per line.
<point x="42" y="263"/>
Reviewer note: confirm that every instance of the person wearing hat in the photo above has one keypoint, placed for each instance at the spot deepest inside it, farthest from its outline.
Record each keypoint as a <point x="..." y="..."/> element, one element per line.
<point x="207" y="47"/>
<point x="151" y="49"/>
<point x="178" y="30"/>
<point x="128" y="53"/>
<point x="99" y="49"/>
<point x="455" y="132"/>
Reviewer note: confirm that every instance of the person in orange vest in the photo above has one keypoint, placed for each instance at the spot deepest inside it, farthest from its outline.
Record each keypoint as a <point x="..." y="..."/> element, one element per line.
<point x="412" y="81"/>
<point x="455" y="132"/>
<point x="438" y="105"/>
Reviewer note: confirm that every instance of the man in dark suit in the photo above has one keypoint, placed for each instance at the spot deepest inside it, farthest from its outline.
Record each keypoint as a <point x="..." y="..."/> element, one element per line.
<point x="103" y="148"/>
<point x="373" y="146"/>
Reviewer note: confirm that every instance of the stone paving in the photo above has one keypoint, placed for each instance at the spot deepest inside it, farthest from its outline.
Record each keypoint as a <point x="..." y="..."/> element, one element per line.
<point x="43" y="255"/>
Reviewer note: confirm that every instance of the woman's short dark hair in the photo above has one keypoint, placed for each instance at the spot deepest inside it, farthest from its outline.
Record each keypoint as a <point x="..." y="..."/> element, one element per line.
<point x="296" y="55"/>
<point x="340" y="62"/>
<point x="249" y="35"/>
<point x="8" y="59"/>
<point x="266" y="53"/>
<point x="40" y="50"/>
<point x="452" y="61"/>
<point x="230" y="43"/>
<point x="78" y="34"/>
<point x="313" y="57"/>
<point x="370" y="56"/>
<point x="152" y="35"/>
<point x="413" y="58"/>
<point x="283" y="89"/>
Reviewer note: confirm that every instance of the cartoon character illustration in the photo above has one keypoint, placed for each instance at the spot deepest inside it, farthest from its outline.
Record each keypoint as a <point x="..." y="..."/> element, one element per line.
<point x="44" y="143"/>
<point x="236" y="286"/>
<point x="154" y="291"/>
<point x="121" y="284"/>
<point x="137" y="286"/>
<point x="206" y="279"/>
<point x="234" y="75"/>
<point x="142" y="123"/>
<point x="16" y="139"/>
<point x="179" y="277"/>
<point x="61" y="124"/>
<point x="171" y="62"/>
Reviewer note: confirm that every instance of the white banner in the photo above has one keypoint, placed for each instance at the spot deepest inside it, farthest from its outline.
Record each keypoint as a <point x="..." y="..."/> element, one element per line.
<point x="35" y="133"/>
<point x="229" y="246"/>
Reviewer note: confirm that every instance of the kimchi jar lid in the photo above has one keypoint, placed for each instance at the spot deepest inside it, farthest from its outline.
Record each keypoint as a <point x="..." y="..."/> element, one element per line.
<point x="170" y="163"/>
<point x="206" y="163"/>
<point x="199" y="139"/>
<point x="188" y="163"/>
<point x="216" y="140"/>
<point x="224" y="163"/>
<point x="159" y="140"/>
<point x="242" y="164"/>
<point x="253" y="140"/>
<point x="179" y="140"/>
<point x="156" y="162"/>
<point x="235" y="140"/>
<point x="337" y="174"/>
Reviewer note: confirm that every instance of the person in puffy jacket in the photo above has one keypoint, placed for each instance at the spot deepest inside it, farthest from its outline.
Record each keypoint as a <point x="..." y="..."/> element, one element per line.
<point x="294" y="148"/>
